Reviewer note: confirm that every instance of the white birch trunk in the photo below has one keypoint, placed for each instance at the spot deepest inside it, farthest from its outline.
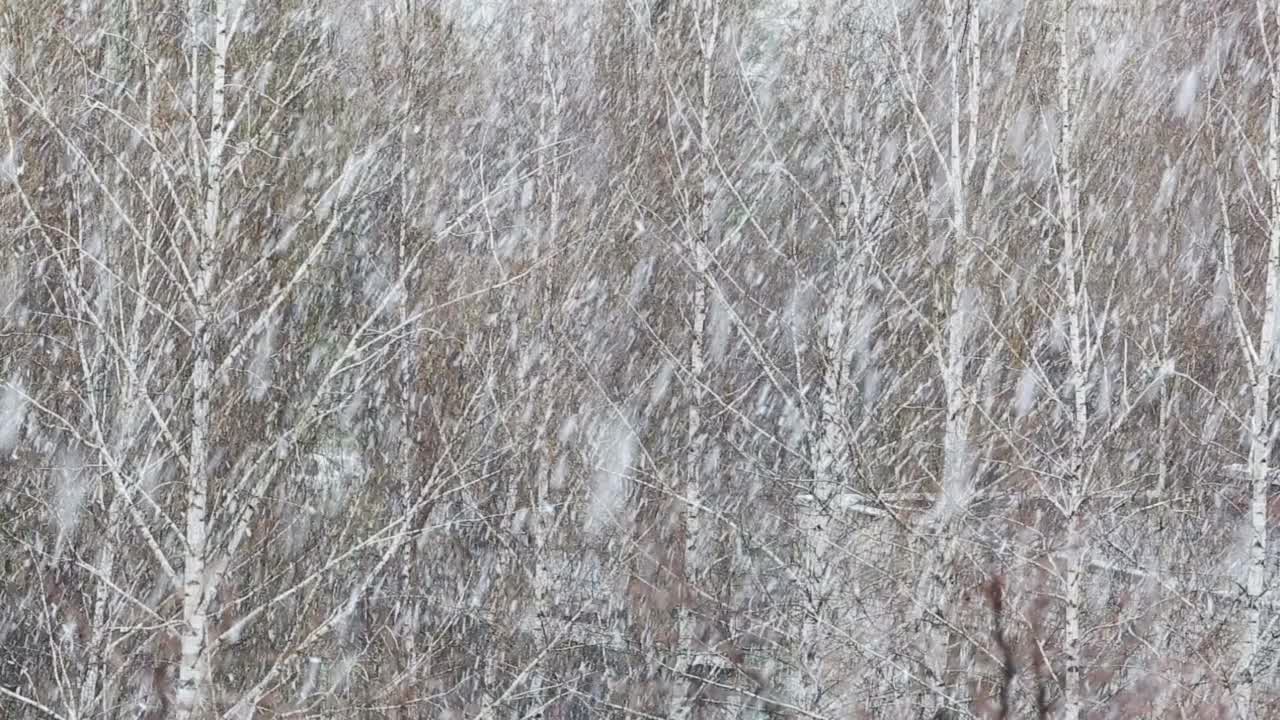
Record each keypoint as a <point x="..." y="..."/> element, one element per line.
<point x="1165" y="429"/>
<point x="541" y="519"/>
<point x="1162" y="441"/>
<point x="549" y="136"/>
<point x="1071" y="266"/>
<point x="843" y="312"/>
<point x="955" y="443"/>
<point x="832" y="464"/>
<point x="193" y="666"/>
<point x="691" y="492"/>
<point x="408" y="607"/>
<point x="542" y="516"/>
<point x="115" y="45"/>
<point x="830" y="468"/>
<point x="95" y="659"/>
<point x="125" y="439"/>
<point x="955" y="460"/>
<point x="1260" y="417"/>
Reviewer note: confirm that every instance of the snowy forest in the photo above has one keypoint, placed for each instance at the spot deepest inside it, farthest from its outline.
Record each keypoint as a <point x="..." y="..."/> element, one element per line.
<point x="639" y="359"/>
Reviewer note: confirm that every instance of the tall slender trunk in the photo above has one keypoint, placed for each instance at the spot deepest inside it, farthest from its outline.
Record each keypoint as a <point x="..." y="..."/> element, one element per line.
<point x="1260" y="416"/>
<point x="541" y="521"/>
<point x="406" y="458"/>
<point x="842" y="312"/>
<point x="830" y="470"/>
<point x="548" y="137"/>
<point x="542" y="515"/>
<point x="114" y="68"/>
<point x="126" y="424"/>
<point x="832" y="462"/>
<point x="95" y="657"/>
<point x="1072" y="268"/>
<point x="1162" y="440"/>
<point x="115" y="46"/>
<point x="192" y="668"/>
<point x="691" y="490"/>
<point x="955" y="458"/>
<point x="1167" y="398"/>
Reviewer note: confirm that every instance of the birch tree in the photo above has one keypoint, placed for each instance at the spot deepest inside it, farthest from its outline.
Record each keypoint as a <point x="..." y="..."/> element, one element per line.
<point x="957" y="152"/>
<point x="694" y="359"/>
<point x="219" y="517"/>
<point x="693" y="108"/>
<point x="1259" y="352"/>
<point x="863" y="188"/>
<point x="1072" y="266"/>
<point x="195" y="595"/>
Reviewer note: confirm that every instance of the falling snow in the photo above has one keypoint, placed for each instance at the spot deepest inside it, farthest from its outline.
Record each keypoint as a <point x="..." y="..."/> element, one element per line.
<point x="13" y="412"/>
<point x="683" y="359"/>
<point x="609" y="482"/>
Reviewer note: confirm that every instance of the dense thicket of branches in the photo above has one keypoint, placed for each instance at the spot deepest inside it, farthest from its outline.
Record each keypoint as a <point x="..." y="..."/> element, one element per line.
<point x="575" y="360"/>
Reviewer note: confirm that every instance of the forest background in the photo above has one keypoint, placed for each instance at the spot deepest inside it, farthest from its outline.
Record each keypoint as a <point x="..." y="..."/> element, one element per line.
<point x="684" y="359"/>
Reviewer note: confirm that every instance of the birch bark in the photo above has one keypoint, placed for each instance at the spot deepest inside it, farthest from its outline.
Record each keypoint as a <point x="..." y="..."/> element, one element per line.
<point x="707" y="22"/>
<point x="1072" y="267"/>
<point x="548" y="139"/>
<point x="193" y="665"/>
<point x="832" y="463"/>
<point x="959" y="24"/>
<point x="406" y="458"/>
<point x="125" y="440"/>
<point x="542" y="515"/>
<point x="1260" y="421"/>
